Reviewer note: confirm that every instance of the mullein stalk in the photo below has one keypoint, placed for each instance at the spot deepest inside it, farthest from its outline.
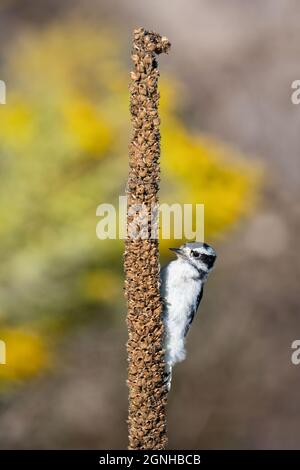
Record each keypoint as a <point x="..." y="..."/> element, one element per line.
<point x="147" y="392"/>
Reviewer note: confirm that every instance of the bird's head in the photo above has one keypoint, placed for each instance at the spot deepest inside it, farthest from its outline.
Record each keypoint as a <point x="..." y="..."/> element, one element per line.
<point x="201" y="255"/>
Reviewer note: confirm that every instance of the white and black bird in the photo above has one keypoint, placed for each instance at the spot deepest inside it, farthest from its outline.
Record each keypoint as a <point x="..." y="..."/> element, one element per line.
<point x="182" y="282"/>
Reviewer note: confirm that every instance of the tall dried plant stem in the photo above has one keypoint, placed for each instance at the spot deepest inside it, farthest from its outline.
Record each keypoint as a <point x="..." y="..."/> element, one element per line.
<point x="147" y="392"/>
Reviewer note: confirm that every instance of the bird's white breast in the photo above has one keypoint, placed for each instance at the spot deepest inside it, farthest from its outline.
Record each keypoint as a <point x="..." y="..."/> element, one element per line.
<point x="181" y="287"/>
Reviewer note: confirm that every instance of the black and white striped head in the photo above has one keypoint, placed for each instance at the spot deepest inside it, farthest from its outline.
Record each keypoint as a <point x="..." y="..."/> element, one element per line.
<point x="201" y="255"/>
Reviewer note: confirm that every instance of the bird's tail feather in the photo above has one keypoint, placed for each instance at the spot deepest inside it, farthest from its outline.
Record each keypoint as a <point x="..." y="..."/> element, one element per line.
<point x="168" y="377"/>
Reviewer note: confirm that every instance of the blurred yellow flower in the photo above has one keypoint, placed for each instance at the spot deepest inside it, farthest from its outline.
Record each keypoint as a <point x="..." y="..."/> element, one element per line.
<point x="90" y="132"/>
<point x="17" y="126"/>
<point x="206" y="172"/>
<point x="100" y="285"/>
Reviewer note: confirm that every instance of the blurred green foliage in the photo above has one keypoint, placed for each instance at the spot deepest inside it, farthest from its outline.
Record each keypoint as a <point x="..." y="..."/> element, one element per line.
<point x="63" y="148"/>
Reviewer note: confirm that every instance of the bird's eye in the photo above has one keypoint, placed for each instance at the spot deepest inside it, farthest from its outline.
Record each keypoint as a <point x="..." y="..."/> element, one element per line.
<point x="195" y="254"/>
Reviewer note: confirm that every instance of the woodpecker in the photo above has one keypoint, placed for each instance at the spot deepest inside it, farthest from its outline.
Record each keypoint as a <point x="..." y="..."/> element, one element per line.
<point x="182" y="282"/>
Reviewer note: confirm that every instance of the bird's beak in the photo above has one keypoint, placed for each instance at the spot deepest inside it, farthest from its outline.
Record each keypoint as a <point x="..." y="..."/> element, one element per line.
<point x="176" y="250"/>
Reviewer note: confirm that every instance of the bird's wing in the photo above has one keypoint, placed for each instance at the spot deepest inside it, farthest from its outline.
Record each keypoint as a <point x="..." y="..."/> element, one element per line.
<point x="193" y="312"/>
<point x="162" y="276"/>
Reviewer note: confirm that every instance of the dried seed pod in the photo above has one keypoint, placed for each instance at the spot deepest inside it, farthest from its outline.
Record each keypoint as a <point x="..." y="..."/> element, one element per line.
<point x="147" y="392"/>
<point x="135" y="75"/>
<point x="135" y="58"/>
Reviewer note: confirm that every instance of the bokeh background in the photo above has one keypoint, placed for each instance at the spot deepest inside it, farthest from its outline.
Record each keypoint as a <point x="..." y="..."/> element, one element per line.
<point x="230" y="141"/>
